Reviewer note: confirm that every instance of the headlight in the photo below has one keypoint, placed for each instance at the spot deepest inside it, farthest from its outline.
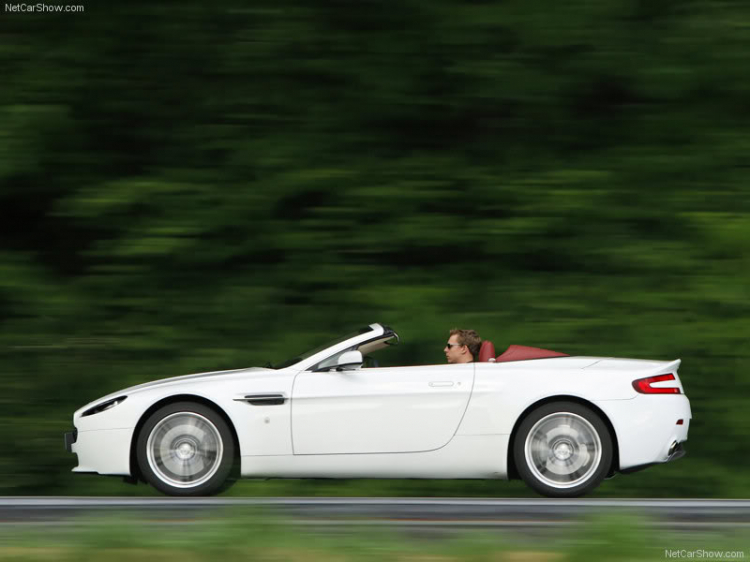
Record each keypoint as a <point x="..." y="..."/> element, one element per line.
<point x="104" y="406"/>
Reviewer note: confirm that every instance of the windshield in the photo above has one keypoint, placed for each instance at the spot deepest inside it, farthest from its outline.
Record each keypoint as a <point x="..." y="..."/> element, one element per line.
<point x="296" y="359"/>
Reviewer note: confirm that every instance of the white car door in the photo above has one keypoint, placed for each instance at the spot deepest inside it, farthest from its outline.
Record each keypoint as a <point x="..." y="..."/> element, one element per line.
<point x="379" y="410"/>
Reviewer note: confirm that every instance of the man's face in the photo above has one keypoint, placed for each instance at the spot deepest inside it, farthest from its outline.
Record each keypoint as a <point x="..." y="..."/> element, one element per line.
<point x="456" y="353"/>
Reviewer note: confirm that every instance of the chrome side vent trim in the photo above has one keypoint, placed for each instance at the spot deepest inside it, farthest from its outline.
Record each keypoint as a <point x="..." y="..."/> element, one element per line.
<point x="263" y="399"/>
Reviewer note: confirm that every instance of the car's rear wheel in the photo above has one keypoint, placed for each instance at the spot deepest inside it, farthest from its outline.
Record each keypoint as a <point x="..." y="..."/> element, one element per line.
<point x="563" y="449"/>
<point x="186" y="449"/>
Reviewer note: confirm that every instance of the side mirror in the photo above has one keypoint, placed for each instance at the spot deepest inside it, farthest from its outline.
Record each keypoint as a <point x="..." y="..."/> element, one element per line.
<point x="350" y="359"/>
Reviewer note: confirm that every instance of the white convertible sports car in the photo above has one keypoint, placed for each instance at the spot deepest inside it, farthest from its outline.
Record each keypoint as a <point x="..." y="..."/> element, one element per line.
<point x="560" y="423"/>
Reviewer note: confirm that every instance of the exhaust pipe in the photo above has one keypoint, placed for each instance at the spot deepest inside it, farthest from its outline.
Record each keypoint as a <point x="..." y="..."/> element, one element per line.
<point x="676" y="451"/>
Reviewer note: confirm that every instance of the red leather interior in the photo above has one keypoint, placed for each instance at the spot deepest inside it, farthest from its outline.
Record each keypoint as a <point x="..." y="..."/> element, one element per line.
<point x="486" y="352"/>
<point x="522" y="353"/>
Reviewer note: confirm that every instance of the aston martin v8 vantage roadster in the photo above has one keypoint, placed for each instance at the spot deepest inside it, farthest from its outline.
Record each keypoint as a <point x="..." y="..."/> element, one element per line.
<point x="561" y="423"/>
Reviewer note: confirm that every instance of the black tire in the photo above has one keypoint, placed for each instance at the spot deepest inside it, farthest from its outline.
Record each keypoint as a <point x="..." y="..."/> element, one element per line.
<point x="186" y="449"/>
<point x="562" y="450"/>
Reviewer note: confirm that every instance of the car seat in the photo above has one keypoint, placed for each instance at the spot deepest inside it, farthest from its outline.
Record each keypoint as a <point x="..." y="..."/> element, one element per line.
<point x="487" y="352"/>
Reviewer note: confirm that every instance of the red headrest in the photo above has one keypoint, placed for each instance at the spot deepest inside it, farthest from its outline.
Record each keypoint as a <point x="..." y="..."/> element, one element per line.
<point x="486" y="352"/>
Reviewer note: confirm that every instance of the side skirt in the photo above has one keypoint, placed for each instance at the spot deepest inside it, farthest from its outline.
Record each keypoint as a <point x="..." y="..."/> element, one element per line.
<point x="466" y="456"/>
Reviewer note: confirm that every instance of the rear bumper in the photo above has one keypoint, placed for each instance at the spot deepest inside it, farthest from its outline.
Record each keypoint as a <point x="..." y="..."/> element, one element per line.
<point x="649" y="429"/>
<point x="677" y="453"/>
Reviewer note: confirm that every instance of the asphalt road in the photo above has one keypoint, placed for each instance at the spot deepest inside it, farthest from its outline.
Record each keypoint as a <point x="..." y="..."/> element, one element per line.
<point x="397" y="512"/>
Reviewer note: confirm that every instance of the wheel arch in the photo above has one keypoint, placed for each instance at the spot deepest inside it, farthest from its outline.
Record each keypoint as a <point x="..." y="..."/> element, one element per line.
<point x="513" y="471"/>
<point x="135" y="470"/>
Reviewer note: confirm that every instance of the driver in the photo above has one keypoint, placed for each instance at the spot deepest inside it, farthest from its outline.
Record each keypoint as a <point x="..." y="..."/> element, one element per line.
<point x="463" y="346"/>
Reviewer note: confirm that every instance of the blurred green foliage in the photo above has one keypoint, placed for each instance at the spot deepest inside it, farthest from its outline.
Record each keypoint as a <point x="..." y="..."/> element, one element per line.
<point x="263" y="536"/>
<point x="191" y="187"/>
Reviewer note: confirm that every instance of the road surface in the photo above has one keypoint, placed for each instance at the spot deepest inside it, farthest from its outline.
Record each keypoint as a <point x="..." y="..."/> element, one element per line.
<point x="396" y="512"/>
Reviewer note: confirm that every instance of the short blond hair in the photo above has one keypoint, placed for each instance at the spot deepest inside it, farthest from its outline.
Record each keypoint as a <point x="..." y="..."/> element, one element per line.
<point x="470" y="339"/>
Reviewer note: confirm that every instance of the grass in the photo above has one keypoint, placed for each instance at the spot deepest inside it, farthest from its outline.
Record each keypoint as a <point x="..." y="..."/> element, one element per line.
<point x="244" y="535"/>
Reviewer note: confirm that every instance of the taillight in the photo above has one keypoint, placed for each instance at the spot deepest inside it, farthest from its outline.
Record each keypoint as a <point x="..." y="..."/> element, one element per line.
<point x="644" y="385"/>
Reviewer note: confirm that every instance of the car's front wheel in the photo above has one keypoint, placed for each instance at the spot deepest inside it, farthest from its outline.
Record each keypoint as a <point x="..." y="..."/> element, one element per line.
<point x="186" y="449"/>
<point x="563" y="450"/>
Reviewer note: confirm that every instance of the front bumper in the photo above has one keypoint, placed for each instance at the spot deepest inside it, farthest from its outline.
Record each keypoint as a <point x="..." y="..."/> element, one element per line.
<point x="105" y="451"/>
<point x="70" y="438"/>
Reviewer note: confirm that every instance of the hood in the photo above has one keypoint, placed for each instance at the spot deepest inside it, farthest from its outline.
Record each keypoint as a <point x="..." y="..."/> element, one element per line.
<point x="177" y="380"/>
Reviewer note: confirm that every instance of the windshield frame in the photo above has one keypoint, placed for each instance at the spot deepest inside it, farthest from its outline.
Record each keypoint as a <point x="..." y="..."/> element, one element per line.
<point x="320" y="353"/>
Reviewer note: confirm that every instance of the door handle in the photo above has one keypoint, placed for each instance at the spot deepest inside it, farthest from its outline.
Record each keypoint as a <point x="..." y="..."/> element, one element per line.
<point x="441" y="383"/>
